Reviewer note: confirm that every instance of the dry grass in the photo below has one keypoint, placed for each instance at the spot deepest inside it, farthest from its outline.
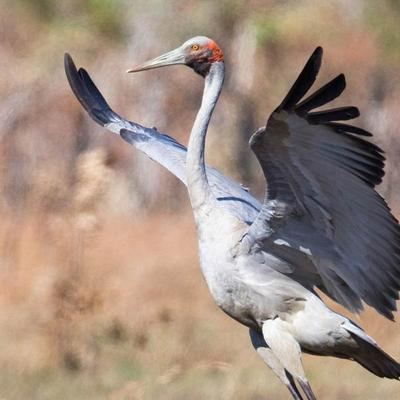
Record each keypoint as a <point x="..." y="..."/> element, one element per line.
<point x="101" y="296"/>
<point x="131" y="318"/>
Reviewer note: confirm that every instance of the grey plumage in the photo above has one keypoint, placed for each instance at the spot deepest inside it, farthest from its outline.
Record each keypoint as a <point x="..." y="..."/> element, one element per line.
<point x="323" y="177"/>
<point x="160" y="147"/>
<point x="321" y="224"/>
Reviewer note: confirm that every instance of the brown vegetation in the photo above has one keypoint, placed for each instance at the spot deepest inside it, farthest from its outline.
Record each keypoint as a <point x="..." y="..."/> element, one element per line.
<point x="101" y="296"/>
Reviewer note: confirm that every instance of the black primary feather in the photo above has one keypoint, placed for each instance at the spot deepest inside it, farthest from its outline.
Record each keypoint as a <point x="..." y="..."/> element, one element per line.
<point x="334" y="114"/>
<point x="374" y="275"/>
<point x="322" y="96"/>
<point x="303" y="82"/>
<point x="339" y="127"/>
<point x="87" y="93"/>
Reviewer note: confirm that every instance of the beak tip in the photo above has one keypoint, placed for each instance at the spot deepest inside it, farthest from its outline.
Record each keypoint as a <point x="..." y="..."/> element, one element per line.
<point x="172" y="58"/>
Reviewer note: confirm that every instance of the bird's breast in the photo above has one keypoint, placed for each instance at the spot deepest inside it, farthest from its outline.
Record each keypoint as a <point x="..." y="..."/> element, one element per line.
<point x="220" y="271"/>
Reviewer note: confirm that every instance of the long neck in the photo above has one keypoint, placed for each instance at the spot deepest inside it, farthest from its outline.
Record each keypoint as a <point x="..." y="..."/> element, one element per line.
<point x="200" y="193"/>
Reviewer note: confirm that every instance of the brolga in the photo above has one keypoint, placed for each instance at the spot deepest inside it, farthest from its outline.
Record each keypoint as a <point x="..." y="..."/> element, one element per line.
<point x="321" y="225"/>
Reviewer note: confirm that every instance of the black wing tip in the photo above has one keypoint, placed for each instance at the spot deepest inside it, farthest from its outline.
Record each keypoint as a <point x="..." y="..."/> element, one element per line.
<point x="315" y="60"/>
<point x="340" y="81"/>
<point x="68" y="60"/>
<point x="388" y="314"/>
<point x="322" y="96"/>
<point x="339" y="127"/>
<point x="70" y="69"/>
<point x="304" y="81"/>
<point x="84" y="75"/>
<point x="86" y="92"/>
<point x="335" y="114"/>
<point x="333" y="89"/>
<point x="318" y="53"/>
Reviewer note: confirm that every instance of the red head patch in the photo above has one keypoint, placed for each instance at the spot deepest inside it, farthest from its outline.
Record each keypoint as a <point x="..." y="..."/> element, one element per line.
<point x="216" y="52"/>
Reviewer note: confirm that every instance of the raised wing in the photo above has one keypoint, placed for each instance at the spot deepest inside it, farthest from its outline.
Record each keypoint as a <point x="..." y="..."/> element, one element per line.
<point x="320" y="198"/>
<point x="161" y="148"/>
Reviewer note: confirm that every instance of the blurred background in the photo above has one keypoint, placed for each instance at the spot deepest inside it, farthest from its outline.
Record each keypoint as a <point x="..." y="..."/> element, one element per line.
<point x="101" y="296"/>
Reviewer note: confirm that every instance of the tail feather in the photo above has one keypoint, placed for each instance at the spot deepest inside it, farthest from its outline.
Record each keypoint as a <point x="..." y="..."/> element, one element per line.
<point x="379" y="363"/>
<point x="369" y="355"/>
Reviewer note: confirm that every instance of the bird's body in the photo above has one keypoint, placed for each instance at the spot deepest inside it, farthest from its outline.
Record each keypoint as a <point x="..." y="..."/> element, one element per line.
<point x="247" y="285"/>
<point x="246" y="290"/>
<point x="322" y="225"/>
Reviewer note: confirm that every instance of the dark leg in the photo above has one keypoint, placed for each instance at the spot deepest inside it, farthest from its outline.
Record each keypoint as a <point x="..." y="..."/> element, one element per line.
<point x="293" y="388"/>
<point x="307" y="389"/>
<point x="270" y="359"/>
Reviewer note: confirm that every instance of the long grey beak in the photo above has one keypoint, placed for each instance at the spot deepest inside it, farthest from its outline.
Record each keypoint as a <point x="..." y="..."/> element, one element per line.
<point x="173" y="57"/>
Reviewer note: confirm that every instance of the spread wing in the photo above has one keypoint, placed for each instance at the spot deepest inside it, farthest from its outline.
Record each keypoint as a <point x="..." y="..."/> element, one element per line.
<point x="320" y="199"/>
<point x="161" y="148"/>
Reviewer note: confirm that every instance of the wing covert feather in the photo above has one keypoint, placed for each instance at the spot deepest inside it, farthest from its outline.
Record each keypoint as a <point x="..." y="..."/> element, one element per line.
<point x="321" y="176"/>
<point x="159" y="147"/>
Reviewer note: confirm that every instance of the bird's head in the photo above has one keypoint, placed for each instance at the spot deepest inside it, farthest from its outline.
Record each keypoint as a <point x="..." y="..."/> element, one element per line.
<point x="197" y="53"/>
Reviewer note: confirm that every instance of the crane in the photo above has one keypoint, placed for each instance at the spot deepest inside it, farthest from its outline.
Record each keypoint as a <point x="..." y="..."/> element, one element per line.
<point x="321" y="225"/>
<point x="159" y="147"/>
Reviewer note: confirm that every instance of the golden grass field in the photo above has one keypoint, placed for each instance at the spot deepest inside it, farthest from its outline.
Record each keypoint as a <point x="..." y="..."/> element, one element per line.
<point x="101" y="295"/>
<point x="129" y="317"/>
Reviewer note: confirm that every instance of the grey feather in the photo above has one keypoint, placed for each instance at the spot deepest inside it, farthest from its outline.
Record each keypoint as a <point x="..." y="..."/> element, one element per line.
<point x="323" y="178"/>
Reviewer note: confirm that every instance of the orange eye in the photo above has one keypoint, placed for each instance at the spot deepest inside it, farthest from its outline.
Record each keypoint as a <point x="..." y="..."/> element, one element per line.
<point x="195" y="47"/>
